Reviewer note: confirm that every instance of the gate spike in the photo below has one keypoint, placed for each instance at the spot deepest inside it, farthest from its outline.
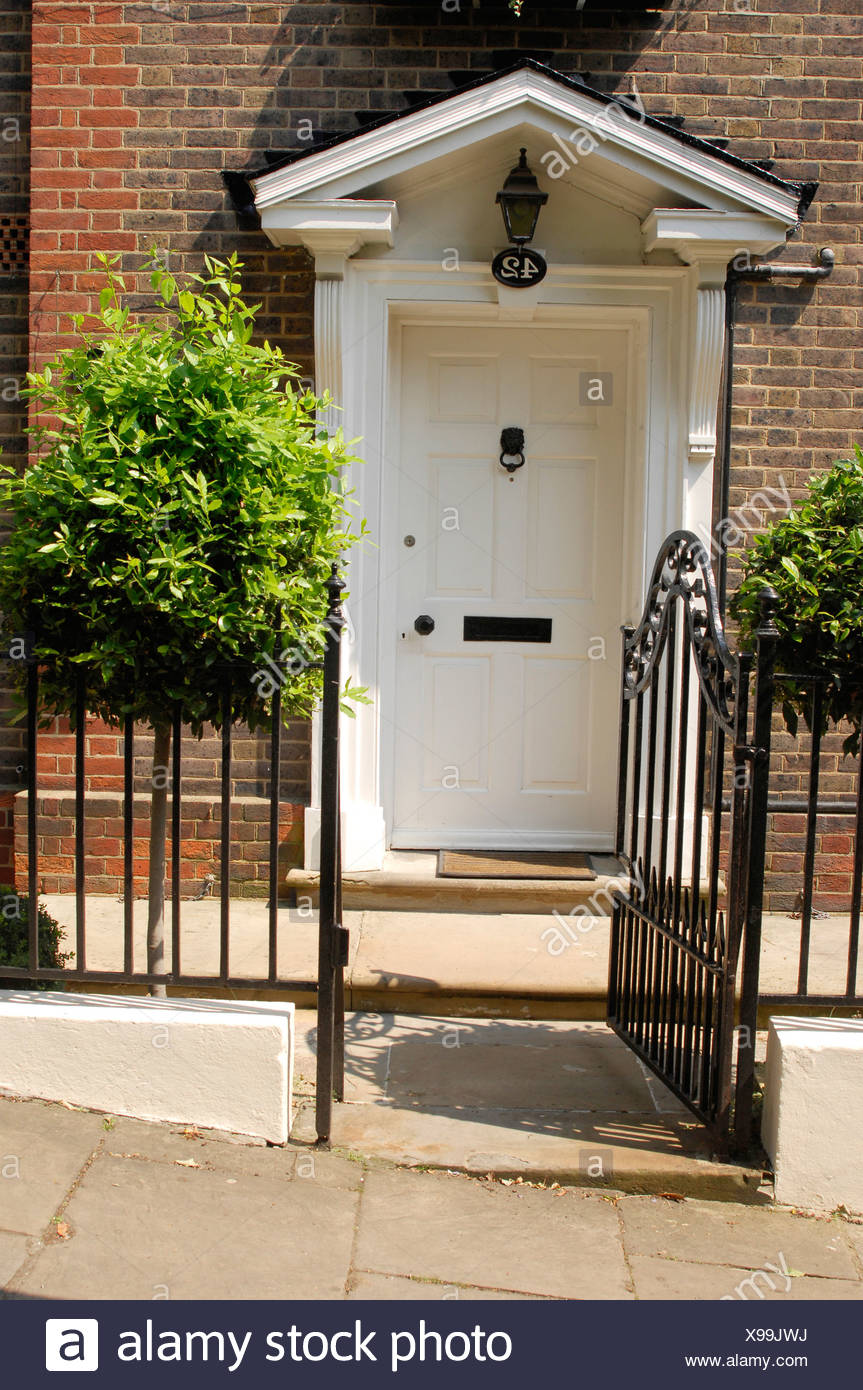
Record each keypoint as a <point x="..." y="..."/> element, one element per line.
<point x="653" y="895"/>
<point x="720" y="934"/>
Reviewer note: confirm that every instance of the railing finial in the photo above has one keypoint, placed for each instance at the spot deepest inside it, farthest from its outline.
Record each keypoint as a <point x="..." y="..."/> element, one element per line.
<point x="768" y="603"/>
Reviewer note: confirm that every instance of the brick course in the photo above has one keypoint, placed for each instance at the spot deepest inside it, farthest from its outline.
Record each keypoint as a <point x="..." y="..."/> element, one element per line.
<point x="200" y="846"/>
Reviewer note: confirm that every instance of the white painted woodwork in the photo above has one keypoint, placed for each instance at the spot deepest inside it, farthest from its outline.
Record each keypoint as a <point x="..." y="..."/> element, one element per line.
<point x="328" y="346"/>
<point x="508" y="743"/>
<point x="614" y="136"/>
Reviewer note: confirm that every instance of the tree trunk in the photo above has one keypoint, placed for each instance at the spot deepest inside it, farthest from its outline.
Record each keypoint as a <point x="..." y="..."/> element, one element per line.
<point x="158" y="836"/>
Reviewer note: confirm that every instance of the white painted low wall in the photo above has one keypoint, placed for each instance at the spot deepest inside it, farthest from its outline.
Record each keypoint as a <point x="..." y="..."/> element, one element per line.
<point x="812" y="1126"/>
<point x="194" y="1061"/>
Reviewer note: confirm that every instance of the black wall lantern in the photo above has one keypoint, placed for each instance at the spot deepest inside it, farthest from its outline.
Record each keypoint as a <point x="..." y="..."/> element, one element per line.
<point x="520" y="200"/>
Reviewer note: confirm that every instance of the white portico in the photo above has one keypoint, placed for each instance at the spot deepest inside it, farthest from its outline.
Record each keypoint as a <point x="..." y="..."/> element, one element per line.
<point x="495" y="727"/>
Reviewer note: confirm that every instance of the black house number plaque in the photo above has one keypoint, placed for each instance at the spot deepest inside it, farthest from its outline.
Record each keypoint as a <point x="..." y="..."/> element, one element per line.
<point x="519" y="267"/>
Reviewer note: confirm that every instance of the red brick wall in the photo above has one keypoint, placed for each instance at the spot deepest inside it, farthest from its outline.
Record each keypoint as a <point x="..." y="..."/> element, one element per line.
<point x="786" y="830"/>
<point x="200" y="848"/>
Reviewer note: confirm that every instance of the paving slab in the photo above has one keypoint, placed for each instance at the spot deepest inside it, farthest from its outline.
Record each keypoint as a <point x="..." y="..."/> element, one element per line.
<point x="551" y="1067"/>
<point x="184" y="1145"/>
<point x="159" y="1211"/>
<point x="14" y="1250"/>
<point x="142" y="1231"/>
<point x="579" y="1067"/>
<point x="680" y="1279"/>
<point x="543" y="1100"/>
<point x="743" y="1237"/>
<point x="249" y="935"/>
<point x="562" y="1244"/>
<point x="46" y="1146"/>
<point x="854" y="1235"/>
<point x="389" y="1287"/>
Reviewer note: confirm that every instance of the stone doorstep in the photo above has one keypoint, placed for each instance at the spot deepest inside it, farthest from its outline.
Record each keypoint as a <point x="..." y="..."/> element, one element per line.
<point x="406" y="892"/>
<point x="401" y="891"/>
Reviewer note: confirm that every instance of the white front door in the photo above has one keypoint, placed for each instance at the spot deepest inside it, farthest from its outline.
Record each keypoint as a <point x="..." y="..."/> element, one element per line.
<point x="505" y="714"/>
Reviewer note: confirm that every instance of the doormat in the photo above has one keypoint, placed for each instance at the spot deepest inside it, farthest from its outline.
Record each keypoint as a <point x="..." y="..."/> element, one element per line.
<point x="505" y="863"/>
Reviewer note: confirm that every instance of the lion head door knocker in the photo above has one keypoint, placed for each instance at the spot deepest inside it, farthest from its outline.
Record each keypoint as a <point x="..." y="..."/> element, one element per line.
<point x="512" y="449"/>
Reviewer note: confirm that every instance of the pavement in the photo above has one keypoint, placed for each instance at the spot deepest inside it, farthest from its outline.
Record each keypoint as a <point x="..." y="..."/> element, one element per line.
<point x="97" y="1208"/>
<point x="473" y="1157"/>
<point x="511" y="965"/>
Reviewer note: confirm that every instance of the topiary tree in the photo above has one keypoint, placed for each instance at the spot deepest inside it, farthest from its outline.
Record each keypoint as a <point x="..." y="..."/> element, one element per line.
<point x="183" y="515"/>
<point x="813" y="558"/>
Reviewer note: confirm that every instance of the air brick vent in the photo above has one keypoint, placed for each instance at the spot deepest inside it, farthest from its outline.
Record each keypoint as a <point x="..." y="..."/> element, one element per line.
<point x="14" y="244"/>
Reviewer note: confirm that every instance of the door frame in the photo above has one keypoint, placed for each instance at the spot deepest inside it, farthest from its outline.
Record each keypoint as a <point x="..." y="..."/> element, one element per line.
<point x="381" y="295"/>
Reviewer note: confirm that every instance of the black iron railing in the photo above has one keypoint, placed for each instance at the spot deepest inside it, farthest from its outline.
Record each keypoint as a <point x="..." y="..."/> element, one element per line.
<point x="332" y="937"/>
<point x="815" y="807"/>
<point x="333" y="942"/>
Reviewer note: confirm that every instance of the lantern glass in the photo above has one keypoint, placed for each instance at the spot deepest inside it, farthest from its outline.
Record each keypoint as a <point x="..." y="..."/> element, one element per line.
<point x="520" y="217"/>
<point x="520" y="201"/>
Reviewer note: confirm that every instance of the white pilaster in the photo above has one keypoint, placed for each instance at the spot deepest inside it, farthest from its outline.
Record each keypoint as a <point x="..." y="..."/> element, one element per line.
<point x="328" y="345"/>
<point x="332" y="232"/>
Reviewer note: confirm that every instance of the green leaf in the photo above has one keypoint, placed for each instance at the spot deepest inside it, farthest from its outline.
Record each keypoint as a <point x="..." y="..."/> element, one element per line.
<point x="791" y="567"/>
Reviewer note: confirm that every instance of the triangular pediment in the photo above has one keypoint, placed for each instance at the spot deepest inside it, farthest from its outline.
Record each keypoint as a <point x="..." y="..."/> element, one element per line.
<point x="577" y="137"/>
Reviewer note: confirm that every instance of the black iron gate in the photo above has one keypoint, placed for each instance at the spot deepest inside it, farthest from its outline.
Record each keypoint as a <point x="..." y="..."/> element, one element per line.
<point x="693" y="854"/>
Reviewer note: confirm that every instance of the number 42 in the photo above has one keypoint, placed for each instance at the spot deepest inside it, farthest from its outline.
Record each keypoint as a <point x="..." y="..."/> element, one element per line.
<point x="519" y="267"/>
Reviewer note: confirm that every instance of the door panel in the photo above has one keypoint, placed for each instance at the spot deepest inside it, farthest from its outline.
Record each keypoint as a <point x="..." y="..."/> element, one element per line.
<point x="508" y="743"/>
<point x="461" y="519"/>
<point x="456" y="724"/>
<point x="558" y="490"/>
<point x="556" y="695"/>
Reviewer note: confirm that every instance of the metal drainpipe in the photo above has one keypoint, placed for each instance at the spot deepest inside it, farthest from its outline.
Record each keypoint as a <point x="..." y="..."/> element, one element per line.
<point x="769" y="272"/>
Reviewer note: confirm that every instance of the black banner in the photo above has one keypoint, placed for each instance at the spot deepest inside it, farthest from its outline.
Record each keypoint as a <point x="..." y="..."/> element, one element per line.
<point x="447" y="1343"/>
